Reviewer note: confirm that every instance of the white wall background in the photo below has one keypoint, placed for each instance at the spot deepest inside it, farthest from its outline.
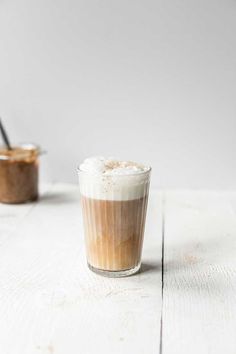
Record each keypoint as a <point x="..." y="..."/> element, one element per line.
<point x="151" y="80"/>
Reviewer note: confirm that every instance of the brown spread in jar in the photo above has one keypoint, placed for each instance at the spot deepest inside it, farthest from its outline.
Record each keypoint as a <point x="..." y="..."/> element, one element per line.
<point x="19" y="174"/>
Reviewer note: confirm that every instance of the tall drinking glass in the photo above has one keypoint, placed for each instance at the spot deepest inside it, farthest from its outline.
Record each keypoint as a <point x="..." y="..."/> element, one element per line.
<point x="114" y="212"/>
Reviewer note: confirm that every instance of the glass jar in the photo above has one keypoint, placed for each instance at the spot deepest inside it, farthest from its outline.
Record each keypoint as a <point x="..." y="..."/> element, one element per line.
<point x="19" y="174"/>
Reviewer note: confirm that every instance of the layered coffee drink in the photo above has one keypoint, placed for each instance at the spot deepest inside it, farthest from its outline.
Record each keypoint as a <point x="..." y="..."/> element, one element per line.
<point x="114" y="197"/>
<point x="19" y="174"/>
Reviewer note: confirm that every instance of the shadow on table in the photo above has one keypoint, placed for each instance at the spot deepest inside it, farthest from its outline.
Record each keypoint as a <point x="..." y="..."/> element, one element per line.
<point x="150" y="267"/>
<point x="55" y="198"/>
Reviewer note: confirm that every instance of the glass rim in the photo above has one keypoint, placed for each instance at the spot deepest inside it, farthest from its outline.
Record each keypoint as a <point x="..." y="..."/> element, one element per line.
<point x="79" y="171"/>
<point x="25" y="147"/>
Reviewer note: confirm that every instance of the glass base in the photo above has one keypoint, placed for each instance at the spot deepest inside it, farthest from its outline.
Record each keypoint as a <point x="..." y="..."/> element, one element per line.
<point x="117" y="273"/>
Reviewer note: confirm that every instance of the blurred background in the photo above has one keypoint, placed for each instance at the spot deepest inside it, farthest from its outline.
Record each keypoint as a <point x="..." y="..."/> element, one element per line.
<point x="153" y="81"/>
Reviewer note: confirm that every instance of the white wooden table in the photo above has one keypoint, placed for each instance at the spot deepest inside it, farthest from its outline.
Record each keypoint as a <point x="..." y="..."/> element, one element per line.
<point x="183" y="301"/>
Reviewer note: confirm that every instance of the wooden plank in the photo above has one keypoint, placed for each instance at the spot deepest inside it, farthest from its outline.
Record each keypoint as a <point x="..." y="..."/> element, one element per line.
<point x="50" y="301"/>
<point x="11" y="215"/>
<point x="199" y="309"/>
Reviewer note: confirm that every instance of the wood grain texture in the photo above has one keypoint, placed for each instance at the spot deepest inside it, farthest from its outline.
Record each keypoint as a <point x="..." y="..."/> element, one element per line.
<point x="199" y="309"/>
<point x="50" y="303"/>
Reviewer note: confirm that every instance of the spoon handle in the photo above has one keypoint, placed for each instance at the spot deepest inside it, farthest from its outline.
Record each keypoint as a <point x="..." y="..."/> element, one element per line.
<point x="4" y="136"/>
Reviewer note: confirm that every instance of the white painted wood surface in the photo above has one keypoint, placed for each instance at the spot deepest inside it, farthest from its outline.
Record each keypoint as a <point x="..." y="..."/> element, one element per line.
<point x="199" y="298"/>
<point x="50" y="303"/>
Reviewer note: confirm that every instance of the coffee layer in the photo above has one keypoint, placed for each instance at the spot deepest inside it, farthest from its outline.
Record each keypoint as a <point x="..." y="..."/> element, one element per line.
<point x="114" y="232"/>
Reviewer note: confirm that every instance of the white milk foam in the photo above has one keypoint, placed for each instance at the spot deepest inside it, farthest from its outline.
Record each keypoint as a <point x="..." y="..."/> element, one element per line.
<point x="110" y="179"/>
